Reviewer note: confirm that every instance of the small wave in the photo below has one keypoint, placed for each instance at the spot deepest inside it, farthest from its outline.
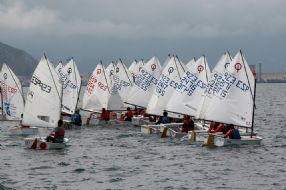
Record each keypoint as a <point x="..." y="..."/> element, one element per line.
<point x="79" y="170"/>
<point x="2" y="187"/>
<point x="116" y="180"/>
<point x="114" y="168"/>
<point x="63" y="164"/>
<point x="41" y="167"/>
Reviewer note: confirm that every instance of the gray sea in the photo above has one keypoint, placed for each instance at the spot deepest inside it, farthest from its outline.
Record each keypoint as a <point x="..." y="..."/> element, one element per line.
<point x="123" y="158"/>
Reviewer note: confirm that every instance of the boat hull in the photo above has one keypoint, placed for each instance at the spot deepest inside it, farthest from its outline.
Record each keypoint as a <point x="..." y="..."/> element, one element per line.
<point x="40" y="143"/>
<point x="139" y="120"/>
<point x="245" y="140"/>
<point x="150" y="129"/>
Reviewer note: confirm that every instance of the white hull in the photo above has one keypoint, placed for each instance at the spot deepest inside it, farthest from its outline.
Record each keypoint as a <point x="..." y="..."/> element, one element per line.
<point x="40" y="143"/>
<point x="150" y="129"/>
<point x="140" y="120"/>
<point x="245" y="140"/>
<point x="24" y="131"/>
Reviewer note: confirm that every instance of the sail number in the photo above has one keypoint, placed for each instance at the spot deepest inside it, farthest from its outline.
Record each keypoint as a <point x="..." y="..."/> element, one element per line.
<point x="44" y="87"/>
<point x="144" y="80"/>
<point x="92" y="82"/>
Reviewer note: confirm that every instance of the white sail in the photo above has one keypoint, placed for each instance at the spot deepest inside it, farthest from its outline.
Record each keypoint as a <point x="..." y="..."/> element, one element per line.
<point x="110" y="69"/>
<point x="135" y="69"/>
<point x="166" y="62"/>
<point x="122" y="80"/>
<point x="44" y="98"/>
<point x="145" y="83"/>
<point x="168" y="82"/>
<point x="229" y="95"/>
<point x="98" y="93"/>
<point x="191" y="62"/>
<point x="12" y="94"/>
<point x="132" y="66"/>
<point x="71" y="80"/>
<point x="59" y="67"/>
<point x="188" y="95"/>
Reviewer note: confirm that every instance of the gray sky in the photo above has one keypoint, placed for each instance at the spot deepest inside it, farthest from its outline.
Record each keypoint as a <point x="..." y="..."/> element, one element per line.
<point x="93" y="30"/>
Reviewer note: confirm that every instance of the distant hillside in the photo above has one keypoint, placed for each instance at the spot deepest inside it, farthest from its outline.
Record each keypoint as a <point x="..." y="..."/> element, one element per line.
<point x="22" y="63"/>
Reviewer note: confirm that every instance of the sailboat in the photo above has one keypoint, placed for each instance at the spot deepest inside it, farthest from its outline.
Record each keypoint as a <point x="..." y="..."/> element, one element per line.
<point x="230" y="98"/>
<point x="190" y="93"/>
<point x="43" y="104"/>
<point x="168" y="82"/>
<point x="70" y="77"/>
<point x="13" y="101"/>
<point x="98" y="95"/>
<point x="143" y="88"/>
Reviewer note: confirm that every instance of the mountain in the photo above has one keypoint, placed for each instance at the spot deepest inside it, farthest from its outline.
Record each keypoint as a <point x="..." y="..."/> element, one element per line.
<point x="22" y="63"/>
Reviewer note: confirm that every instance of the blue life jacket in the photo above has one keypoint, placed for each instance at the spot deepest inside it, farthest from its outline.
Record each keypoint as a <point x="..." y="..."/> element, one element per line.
<point x="235" y="134"/>
<point x="166" y="119"/>
<point x="76" y="119"/>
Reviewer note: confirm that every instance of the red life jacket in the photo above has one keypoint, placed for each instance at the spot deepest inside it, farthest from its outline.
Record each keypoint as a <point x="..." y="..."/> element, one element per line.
<point x="60" y="133"/>
<point x="129" y="114"/>
<point x="105" y="115"/>
<point x="219" y="128"/>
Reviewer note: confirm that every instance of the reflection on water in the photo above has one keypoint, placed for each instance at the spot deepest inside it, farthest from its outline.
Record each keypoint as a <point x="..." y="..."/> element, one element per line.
<point x="123" y="158"/>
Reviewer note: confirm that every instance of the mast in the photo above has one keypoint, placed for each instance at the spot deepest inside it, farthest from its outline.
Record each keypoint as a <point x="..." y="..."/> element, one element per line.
<point x="76" y="84"/>
<point x="105" y="76"/>
<point x="253" y="93"/>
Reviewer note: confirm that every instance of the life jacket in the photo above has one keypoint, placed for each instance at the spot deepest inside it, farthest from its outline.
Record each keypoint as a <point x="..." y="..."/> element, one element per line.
<point x="59" y="133"/>
<point x="188" y="125"/>
<point x="235" y="134"/>
<point x="166" y="119"/>
<point x="129" y="114"/>
<point x="105" y="115"/>
<point x="219" y="128"/>
<point x="77" y="119"/>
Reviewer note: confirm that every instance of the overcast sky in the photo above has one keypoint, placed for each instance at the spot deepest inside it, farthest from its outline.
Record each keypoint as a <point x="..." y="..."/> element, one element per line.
<point x="93" y="30"/>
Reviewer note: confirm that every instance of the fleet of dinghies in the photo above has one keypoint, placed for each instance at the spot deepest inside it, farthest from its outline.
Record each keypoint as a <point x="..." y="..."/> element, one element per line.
<point x="225" y="95"/>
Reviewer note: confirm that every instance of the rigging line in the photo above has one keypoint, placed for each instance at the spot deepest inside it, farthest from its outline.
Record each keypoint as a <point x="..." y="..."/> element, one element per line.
<point x="105" y="76"/>
<point x="206" y="68"/>
<point x="229" y="55"/>
<point x="181" y="64"/>
<point x="78" y="89"/>
<point x="21" y="90"/>
<point x="177" y="68"/>
<point x="125" y="72"/>
<point x="53" y="78"/>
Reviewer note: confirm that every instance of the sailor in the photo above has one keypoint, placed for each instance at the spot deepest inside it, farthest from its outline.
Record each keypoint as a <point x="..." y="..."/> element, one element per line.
<point x="188" y="124"/>
<point x="58" y="134"/>
<point x="213" y="126"/>
<point x="128" y="115"/>
<point x="76" y="118"/>
<point x="104" y="115"/>
<point x="233" y="133"/>
<point x="165" y="119"/>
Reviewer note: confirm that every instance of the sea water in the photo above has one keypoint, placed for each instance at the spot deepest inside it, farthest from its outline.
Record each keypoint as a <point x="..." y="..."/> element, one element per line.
<point x="123" y="158"/>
